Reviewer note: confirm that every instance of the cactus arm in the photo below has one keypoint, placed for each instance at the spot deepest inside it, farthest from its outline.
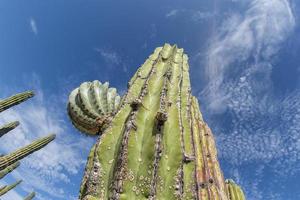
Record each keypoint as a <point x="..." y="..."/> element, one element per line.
<point x="15" y="100"/>
<point x="8" y="127"/>
<point x="234" y="191"/>
<point x="9" y="169"/>
<point x="7" y="188"/>
<point x="11" y="158"/>
<point x="30" y="196"/>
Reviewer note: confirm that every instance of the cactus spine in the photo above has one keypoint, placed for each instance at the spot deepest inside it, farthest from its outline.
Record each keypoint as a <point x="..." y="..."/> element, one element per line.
<point x="15" y="100"/>
<point x="7" y="188"/>
<point x="9" y="169"/>
<point x="8" y="127"/>
<point x="157" y="145"/>
<point x="11" y="158"/>
<point x="30" y="196"/>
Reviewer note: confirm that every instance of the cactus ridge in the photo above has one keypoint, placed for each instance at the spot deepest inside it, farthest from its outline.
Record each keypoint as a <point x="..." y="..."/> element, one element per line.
<point x="15" y="100"/>
<point x="157" y="145"/>
<point x="234" y="191"/>
<point x="11" y="158"/>
<point x="9" y="169"/>
<point x="5" y="189"/>
<point x="8" y="127"/>
<point x="92" y="105"/>
<point x="30" y="196"/>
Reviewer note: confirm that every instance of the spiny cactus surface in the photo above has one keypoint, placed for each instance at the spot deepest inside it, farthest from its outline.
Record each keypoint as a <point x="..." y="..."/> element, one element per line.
<point x="8" y="127"/>
<point x="7" y="188"/>
<point x="11" y="158"/>
<point x="9" y="169"/>
<point x="15" y="100"/>
<point x="30" y="196"/>
<point x="157" y="145"/>
<point x="92" y="105"/>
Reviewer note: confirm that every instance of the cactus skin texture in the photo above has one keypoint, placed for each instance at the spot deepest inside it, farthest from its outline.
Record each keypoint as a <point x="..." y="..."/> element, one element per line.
<point x="5" y="189"/>
<point x="157" y="145"/>
<point x="234" y="191"/>
<point x="11" y="158"/>
<point x="92" y="105"/>
<point x="15" y="100"/>
<point x="30" y="196"/>
<point x="9" y="169"/>
<point x="8" y="127"/>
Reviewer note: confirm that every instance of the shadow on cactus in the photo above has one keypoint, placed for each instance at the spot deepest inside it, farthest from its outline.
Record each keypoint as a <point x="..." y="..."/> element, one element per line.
<point x="154" y="144"/>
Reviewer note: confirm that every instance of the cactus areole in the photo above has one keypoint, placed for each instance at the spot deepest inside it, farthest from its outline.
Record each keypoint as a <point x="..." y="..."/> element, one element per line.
<point x="155" y="144"/>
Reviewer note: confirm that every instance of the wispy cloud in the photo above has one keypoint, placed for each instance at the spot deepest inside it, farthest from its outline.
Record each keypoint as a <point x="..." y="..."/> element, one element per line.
<point x="193" y="15"/>
<point x="109" y="56"/>
<point x="50" y="170"/>
<point x="33" y="26"/>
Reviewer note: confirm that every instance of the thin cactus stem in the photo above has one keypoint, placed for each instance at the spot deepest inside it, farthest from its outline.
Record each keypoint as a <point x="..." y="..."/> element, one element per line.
<point x="157" y="145"/>
<point x="7" y="188"/>
<point x="8" y="127"/>
<point x="15" y="100"/>
<point x="9" y="169"/>
<point x="30" y="196"/>
<point x="11" y="158"/>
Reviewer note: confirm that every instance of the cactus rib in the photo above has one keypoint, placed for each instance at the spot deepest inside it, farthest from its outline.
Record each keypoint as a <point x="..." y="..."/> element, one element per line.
<point x="30" y="196"/>
<point x="11" y="158"/>
<point x="15" y="99"/>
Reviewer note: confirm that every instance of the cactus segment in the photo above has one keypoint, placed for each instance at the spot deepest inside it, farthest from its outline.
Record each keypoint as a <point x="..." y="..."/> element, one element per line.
<point x="11" y="158"/>
<point x="30" y="196"/>
<point x="7" y="188"/>
<point x="92" y="105"/>
<point x="157" y="146"/>
<point x="8" y="127"/>
<point x="234" y="191"/>
<point x="9" y="169"/>
<point x="15" y="100"/>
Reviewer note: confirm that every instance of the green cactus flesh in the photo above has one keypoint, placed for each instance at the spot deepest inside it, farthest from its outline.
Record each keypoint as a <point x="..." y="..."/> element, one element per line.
<point x="5" y="189"/>
<point x="9" y="169"/>
<point x="15" y="99"/>
<point x="30" y="196"/>
<point x="157" y="145"/>
<point x="234" y="191"/>
<point x="8" y="127"/>
<point x="11" y="158"/>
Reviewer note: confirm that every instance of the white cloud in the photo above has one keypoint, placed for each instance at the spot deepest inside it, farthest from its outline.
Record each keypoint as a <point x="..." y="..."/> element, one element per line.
<point x="33" y="26"/>
<point x="109" y="56"/>
<point x="52" y="168"/>
<point x="172" y="13"/>
<point x="257" y="35"/>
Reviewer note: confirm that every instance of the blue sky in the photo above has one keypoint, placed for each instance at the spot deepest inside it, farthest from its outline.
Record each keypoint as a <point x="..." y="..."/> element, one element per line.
<point x="244" y="59"/>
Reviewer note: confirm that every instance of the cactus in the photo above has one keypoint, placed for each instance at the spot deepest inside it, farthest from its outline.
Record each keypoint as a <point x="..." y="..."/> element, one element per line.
<point x="234" y="191"/>
<point x="8" y="127"/>
<point x="30" y="196"/>
<point x="92" y="105"/>
<point x="5" y="189"/>
<point x="9" y="169"/>
<point x="156" y="145"/>
<point x="15" y="99"/>
<point x="11" y="158"/>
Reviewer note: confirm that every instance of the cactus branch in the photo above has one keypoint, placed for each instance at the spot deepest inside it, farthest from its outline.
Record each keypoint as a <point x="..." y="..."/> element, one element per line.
<point x="30" y="196"/>
<point x="8" y="127"/>
<point x="11" y="158"/>
<point x="9" y="169"/>
<point x="15" y="100"/>
<point x="7" y="188"/>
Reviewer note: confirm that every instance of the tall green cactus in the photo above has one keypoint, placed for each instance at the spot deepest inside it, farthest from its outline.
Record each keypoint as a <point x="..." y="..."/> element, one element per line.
<point x="8" y="127"/>
<point x="7" y="188"/>
<point x="30" y="196"/>
<point x="15" y="99"/>
<point x="11" y="158"/>
<point x="9" y="169"/>
<point x="156" y="145"/>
